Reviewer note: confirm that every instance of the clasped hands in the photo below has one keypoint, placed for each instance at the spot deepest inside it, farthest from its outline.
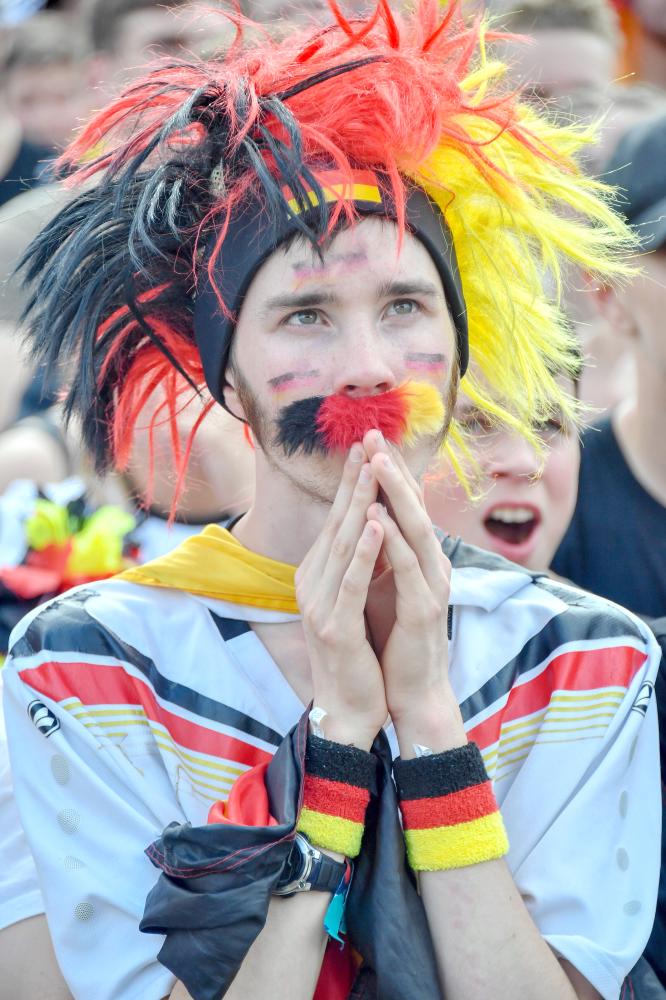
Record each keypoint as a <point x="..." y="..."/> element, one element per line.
<point x="374" y="591"/>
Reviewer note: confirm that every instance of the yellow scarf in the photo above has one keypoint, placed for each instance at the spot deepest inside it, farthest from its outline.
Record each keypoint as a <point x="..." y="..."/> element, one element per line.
<point x="214" y="564"/>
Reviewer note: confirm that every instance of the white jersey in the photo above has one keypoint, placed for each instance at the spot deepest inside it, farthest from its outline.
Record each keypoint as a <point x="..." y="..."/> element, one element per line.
<point x="129" y="707"/>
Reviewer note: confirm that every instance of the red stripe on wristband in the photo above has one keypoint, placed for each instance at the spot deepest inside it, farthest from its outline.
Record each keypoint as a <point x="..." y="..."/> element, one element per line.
<point x="448" y="810"/>
<point x="335" y="798"/>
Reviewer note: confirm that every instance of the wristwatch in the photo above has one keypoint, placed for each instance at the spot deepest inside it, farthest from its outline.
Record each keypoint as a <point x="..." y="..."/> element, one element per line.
<point x="309" y="868"/>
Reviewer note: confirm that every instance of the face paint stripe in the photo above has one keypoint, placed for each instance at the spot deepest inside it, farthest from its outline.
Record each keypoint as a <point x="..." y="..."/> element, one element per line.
<point x="290" y="380"/>
<point x="431" y="363"/>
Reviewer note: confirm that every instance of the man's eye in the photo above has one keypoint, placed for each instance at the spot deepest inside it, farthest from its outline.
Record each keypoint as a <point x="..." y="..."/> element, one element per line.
<point x="552" y="428"/>
<point x="476" y="423"/>
<point x="403" y="307"/>
<point x="304" y="317"/>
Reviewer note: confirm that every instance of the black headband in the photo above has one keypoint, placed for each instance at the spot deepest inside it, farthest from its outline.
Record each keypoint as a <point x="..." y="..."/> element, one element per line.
<point x="253" y="235"/>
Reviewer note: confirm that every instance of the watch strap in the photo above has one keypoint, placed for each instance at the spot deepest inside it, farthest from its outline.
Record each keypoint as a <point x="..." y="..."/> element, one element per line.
<point x="327" y="873"/>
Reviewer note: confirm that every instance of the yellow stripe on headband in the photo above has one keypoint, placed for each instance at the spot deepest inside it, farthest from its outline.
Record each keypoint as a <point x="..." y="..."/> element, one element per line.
<point x="340" y="192"/>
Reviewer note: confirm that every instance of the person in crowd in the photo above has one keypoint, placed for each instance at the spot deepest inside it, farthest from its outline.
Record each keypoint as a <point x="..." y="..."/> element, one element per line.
<point x="526" y="494"/>
<point x="587" y="30"/>
<point x="651" y="55"/>
<point x="122" y="35"/>
<point x="41" y="84"/>
<point x="616" y="542"/>
<point x="337" y="224"/>
<point x="294" y="12"/>
<point x="586" y="85"/>
<point x="126" y="34"/>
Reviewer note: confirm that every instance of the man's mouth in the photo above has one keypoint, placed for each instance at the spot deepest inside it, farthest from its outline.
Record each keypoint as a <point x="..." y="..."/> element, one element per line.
<point x="512" y="524"/>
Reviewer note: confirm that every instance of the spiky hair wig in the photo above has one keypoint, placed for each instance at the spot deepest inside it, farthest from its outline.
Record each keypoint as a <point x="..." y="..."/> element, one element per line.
<point x="169" y="164"/>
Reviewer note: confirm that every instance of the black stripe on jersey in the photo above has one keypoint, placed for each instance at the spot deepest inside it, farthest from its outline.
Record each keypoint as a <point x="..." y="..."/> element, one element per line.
<point x="229" y="628"/>
<point x="463" y="555"/>
<point x="66" y="627"/>
<point x="586" y="617"/>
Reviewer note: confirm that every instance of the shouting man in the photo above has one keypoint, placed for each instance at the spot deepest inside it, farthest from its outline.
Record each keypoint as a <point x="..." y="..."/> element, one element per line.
<point x="325" y="234"/>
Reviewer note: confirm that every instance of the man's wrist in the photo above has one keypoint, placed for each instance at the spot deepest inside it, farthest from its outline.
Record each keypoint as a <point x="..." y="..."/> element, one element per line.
<point x="330" y="726"/>
<point x="435" y="724"/>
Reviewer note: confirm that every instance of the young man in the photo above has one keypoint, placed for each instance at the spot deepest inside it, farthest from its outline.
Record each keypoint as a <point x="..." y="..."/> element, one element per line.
<point x="40" y="80"/>
<point x="325" y="230"/>
<point x="616" y="542"/>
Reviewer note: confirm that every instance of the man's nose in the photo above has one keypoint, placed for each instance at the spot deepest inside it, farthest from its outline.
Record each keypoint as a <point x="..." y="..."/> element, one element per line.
<point x="364" y="371"/>
<point x="510" y="456"/>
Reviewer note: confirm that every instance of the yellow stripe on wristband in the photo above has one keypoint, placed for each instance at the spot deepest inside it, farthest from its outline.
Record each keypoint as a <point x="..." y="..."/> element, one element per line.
<point x="443" y="847"/>
<point x="331" y="832"/>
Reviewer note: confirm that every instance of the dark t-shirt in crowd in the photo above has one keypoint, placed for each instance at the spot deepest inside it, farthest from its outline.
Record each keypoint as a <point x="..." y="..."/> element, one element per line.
<point x="31" y="166"/>
<point x="616" y="543"/>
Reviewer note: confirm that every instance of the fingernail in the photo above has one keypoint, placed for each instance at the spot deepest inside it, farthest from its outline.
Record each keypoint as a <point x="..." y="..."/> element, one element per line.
<point x="366" y="474"/>
<point x="356" y="453"/>
<point x="381" y="438"/>
<point x="386" y="462"/>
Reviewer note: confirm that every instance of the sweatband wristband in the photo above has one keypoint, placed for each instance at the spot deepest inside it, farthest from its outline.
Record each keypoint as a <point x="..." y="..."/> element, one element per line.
<point x="449" y="812"/>
<point x="336" y="791"/>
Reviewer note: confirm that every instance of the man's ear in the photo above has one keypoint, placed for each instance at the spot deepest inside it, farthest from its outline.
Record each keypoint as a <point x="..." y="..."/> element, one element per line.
<point x="231" y="397"/>
<point x="614" y="309"/>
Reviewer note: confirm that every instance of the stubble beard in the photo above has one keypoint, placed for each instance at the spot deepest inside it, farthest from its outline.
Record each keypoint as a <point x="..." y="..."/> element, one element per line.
<point x="320" y="484"/>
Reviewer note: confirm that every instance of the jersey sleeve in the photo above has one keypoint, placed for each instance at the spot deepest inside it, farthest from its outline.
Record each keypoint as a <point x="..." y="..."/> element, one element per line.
<point x="90" y="804"/>
<point x="583" y="805"/>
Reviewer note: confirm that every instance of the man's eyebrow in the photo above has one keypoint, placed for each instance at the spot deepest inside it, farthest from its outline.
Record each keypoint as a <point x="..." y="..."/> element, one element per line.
<point x="406" y="287"/>
<point x="314" y="297"/>
<point x="302" y="300"/>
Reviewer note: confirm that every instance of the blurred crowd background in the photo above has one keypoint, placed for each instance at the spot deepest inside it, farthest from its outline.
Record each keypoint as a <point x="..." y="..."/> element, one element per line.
<point x="592" y="511"/>
<point x="600" y="61"/>
<point x="595" y="515"/>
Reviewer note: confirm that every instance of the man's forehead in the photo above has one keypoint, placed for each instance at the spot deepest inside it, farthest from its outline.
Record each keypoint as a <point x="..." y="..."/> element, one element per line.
<point x="372" y="243"/>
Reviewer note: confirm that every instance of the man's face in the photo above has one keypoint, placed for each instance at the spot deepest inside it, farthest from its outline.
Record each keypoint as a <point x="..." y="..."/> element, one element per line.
<point x="559" y="62"/>
<point x="525" y="509"/>
<point x="47" y="101"/>
<point x="365" y="319"/>
<point x="301" y="11"/>
<point x="653" y="15"/>
<point x="644" y="302"/>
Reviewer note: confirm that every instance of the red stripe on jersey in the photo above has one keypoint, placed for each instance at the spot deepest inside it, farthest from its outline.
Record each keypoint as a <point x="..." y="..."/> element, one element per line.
<point x="449" y="810"/>
<point x="580" y="670"/>
<point x="104" y="684"/>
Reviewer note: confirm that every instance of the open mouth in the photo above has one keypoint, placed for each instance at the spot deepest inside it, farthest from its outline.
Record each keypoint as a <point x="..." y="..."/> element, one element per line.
<point x="513" y="525"/>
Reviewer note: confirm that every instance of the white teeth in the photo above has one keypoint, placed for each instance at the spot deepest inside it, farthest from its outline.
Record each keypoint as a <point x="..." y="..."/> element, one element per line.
<point x="512" y="515"/>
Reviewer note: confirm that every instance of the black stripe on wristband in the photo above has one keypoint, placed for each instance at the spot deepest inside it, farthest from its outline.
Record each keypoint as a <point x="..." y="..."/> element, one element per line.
<point x="440" y="774"/>
<point x="336" y="762"/>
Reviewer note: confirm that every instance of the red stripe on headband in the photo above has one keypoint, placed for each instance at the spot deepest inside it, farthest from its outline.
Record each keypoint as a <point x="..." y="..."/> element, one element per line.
<point x="337" y="178"/>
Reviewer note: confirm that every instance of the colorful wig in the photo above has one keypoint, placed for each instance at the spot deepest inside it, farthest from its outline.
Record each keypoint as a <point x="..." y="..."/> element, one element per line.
<point x="174" y="158"/>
